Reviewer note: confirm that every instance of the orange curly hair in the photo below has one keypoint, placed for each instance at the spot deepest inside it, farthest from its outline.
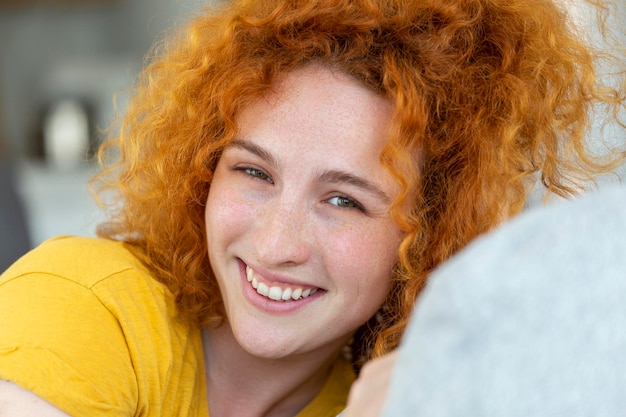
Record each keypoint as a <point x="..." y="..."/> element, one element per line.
<point x="488" y="94"/>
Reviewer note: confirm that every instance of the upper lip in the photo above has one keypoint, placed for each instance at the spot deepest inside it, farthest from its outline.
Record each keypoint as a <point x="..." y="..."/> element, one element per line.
<point x="277" y="278"/>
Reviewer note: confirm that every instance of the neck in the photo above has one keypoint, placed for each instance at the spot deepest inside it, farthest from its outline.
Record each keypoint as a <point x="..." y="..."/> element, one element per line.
<point x="241" y="384"/>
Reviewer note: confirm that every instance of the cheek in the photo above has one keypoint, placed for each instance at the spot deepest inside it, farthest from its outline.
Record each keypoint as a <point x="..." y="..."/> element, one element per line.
<point x="364" y="263"/>
<point x="225" y="215"/>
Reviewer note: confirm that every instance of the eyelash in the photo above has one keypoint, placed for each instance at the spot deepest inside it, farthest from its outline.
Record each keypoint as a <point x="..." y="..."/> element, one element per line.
<point x="260" y="175"/>
<point x="255" y="173"/>
<point x="354" y="204"/>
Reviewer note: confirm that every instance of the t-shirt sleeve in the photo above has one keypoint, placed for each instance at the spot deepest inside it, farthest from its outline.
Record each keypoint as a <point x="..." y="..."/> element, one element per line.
<point x="60" y="342"/>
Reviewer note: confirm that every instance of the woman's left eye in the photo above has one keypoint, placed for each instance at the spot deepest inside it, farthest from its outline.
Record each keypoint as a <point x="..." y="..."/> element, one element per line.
<point x="345" y="202"/>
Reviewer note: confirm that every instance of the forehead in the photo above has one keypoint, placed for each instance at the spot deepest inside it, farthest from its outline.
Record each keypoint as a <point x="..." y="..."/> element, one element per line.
<point x="315" y="100"/>
<point x="323" y="84"/>
<point x="317" y="121"/>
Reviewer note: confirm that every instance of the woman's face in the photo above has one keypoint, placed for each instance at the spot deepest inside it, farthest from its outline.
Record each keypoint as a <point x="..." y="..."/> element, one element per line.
<point x="298" y="226"/>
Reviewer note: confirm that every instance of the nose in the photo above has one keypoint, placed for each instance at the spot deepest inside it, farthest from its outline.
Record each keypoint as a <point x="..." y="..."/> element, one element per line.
<point x="281" y="237"/>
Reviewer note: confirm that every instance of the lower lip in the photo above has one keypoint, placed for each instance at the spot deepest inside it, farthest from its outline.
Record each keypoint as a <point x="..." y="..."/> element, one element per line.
<point x="271" y="306"/>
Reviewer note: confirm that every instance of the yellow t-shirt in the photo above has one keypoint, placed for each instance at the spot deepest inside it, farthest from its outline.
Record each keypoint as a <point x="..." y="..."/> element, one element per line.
<point x="85" y="326"/>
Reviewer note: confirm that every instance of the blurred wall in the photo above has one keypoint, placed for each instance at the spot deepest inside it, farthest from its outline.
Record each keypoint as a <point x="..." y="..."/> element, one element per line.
<point x="52" y="50"/>
<point x="89" y="50"/>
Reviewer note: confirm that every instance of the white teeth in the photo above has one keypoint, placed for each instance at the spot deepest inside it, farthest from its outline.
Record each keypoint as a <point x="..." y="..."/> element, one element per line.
<point x="286" y="294"/>
<point x="277" y="293"/>
<point x="296" y="293"/>
<point x="263" y="289"/>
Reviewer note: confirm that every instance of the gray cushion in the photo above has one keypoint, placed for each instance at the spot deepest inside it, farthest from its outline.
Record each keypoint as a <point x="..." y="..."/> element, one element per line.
<point x="529" y="320"/>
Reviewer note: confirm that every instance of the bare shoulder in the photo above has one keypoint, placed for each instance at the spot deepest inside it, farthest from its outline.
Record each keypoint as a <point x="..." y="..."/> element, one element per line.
<point x="16" y="401"/>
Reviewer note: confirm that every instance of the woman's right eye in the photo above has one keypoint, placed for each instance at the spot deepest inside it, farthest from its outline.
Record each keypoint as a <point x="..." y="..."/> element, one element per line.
<point x="256" y="173"/>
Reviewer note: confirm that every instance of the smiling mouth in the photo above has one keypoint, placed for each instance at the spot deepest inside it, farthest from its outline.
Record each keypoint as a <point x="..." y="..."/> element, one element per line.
<point x="284" y="292"/>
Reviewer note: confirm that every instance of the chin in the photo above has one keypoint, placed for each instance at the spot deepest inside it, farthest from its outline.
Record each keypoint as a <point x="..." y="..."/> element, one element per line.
<point x="270" y="350"/>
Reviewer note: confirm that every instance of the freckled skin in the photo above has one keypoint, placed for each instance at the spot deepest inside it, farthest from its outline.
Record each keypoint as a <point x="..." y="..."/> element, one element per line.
<point x="281" y="202"/>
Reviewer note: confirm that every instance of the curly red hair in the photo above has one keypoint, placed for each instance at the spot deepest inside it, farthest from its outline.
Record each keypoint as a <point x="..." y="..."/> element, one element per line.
<point x="487" y="94"/>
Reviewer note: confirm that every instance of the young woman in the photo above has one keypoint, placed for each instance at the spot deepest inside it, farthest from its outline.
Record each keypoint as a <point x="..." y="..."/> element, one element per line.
<point x="288" y="174"/>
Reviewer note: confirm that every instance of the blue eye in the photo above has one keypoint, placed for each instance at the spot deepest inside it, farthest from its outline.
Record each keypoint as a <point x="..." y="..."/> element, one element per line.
<point x="256" y="173"/>
<point x="345" y="202"/>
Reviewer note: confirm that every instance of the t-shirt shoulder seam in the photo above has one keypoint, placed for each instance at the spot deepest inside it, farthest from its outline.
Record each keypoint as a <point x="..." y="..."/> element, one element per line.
<point x="89" y="286"/>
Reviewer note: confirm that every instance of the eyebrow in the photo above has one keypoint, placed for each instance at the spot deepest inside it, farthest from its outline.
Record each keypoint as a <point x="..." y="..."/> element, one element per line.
<point x="256" y="150"/>
<point x="330" y="176"/>
<point x="343" y="177"/>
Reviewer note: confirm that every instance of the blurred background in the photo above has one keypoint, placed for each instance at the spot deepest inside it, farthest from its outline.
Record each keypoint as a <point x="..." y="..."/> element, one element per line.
<point x="61" y="63"/>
